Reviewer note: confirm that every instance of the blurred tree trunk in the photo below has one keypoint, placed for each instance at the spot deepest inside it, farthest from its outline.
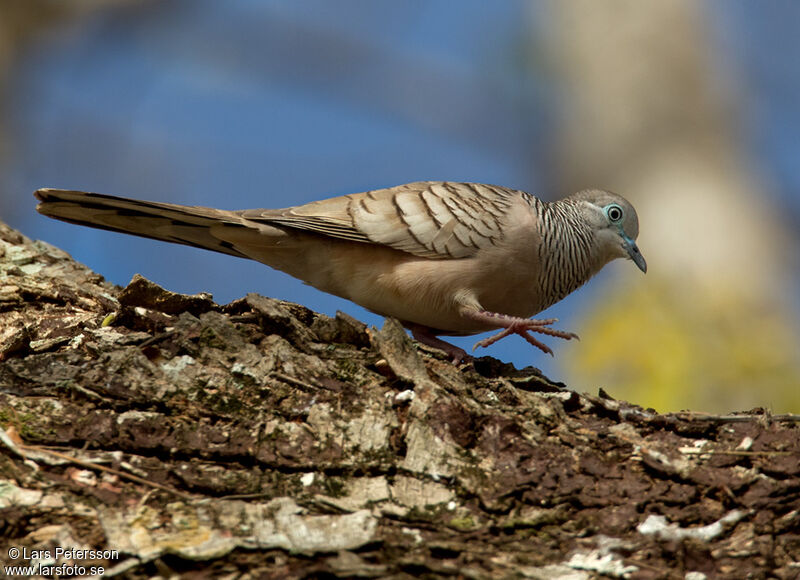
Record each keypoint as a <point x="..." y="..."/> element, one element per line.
<point x="650" y="112"/>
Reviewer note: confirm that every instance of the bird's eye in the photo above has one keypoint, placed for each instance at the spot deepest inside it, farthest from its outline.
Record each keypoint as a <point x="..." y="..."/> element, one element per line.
<point x="614" y="213"/>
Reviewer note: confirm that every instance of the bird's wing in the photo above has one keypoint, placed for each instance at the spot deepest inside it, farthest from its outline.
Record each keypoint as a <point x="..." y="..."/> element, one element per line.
<point x="430" y="219"/>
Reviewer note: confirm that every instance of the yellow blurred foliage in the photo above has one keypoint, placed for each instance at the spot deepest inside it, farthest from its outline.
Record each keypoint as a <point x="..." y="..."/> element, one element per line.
<point x="670" y="349"/>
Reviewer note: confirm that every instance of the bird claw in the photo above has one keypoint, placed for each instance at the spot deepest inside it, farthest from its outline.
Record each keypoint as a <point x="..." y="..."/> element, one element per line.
<point x="509" y="325"/>
<point x="523" y="328"/>
<point x="492" y="339"/>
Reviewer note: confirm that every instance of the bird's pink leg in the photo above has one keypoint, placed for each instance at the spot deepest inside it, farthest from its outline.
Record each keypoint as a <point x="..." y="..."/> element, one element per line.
<point x="516" y="325"/>
<point x="424" y="335"/>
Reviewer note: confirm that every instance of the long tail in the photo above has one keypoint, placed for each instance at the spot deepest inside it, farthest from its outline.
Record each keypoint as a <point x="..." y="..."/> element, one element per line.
<point x="180" y="224"/>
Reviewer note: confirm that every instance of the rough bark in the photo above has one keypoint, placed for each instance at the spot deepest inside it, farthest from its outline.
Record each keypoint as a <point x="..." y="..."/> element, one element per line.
<point x="259" y="439"/>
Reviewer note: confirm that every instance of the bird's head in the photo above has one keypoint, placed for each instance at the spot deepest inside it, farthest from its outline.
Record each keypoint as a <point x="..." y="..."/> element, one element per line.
<point x="614" y="223"/>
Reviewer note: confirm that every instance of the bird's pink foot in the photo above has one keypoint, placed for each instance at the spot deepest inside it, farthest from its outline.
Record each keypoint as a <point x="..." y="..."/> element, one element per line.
<point x="520" y="326"/>
<point x="424" y="335"/>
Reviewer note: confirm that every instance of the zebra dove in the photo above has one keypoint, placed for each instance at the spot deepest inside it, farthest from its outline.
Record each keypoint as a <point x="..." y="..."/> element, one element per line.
<point x="444" y="258"/>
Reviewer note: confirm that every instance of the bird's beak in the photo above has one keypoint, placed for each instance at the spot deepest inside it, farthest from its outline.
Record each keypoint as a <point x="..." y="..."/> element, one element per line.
<point x="634" y="253"/>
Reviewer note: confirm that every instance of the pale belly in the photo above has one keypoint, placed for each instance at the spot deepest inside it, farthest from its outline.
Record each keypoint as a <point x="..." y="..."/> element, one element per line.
<point x="427" y="292"/>
<point x="433" y="292"/>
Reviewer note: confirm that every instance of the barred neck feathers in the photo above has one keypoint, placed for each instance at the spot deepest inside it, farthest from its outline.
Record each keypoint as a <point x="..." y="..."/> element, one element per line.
<point x="565" y="251"/>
